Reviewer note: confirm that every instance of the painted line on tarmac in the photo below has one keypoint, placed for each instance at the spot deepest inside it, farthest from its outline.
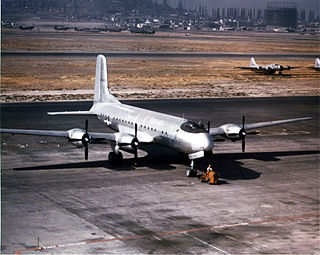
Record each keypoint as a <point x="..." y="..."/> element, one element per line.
<point x="210" y="245"/>
<point x="19" y="252"/>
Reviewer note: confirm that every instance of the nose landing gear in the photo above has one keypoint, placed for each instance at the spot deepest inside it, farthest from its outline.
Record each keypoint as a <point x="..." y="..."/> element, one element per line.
<point x="191" y="172"/>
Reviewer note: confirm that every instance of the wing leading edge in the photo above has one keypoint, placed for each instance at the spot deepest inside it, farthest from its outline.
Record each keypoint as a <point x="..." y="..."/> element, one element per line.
<point x="221" y="130"/>
<point x="73" y="113"/>
<point x="273" y="123"/>
<point x="94" y="137"/>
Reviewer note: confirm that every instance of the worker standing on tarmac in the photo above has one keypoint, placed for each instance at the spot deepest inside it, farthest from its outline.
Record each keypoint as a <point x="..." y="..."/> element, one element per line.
<point x="212" y="175"/>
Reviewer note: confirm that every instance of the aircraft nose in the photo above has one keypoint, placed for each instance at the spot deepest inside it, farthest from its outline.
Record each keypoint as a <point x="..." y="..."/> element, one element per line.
<point x="204" y="143"/>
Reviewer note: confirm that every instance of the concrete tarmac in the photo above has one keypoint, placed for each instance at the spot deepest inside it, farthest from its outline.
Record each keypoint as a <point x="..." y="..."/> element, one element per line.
<point x="267" y="200"/>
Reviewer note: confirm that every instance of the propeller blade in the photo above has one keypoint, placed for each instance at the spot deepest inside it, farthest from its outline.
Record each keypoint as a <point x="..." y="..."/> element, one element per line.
<point x="135" y="157"/>
<point x="243" y="145"/>
<point x="86" y="152"/>
<point x="135" y="130"/>
<point x="208" y="127"/>
<point x="86" y="126"/>
<point x="243" y="121"/>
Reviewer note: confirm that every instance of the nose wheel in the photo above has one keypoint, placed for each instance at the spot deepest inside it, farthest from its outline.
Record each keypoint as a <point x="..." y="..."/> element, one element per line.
<point x="191" y="172"/>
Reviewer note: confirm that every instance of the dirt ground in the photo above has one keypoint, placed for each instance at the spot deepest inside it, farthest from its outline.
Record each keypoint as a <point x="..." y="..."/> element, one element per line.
<point x="42" y="79"/>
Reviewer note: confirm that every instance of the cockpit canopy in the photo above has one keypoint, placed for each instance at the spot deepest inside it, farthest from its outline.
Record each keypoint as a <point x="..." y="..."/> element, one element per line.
<point x="192" y="127"/>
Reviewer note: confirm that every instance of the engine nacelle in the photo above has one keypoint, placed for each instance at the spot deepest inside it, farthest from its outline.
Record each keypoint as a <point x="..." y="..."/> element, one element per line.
<point x="232" y="131"/>
<point x="127" y="143"/>
<point x="127" y="148"/>
<point x="75" y="137"/>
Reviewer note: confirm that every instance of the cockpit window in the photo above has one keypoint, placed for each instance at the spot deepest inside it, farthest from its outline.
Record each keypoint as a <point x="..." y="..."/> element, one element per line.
<point x="192" y="127"/>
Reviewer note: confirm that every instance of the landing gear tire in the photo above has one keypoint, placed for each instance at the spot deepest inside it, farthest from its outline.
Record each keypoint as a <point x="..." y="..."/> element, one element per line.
<point x="191" y="173"/>
<point x="115" y="158"/>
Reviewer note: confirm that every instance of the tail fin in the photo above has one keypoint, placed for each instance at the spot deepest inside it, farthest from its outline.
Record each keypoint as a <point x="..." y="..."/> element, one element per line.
<point x="252" y="63"/>
<point x="317" y="63"/>
<point x="101" y="90"/>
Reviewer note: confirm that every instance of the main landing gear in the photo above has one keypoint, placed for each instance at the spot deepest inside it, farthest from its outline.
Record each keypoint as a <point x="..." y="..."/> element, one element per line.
<point x="191" y="172"/>
<point x="115" y="158"/>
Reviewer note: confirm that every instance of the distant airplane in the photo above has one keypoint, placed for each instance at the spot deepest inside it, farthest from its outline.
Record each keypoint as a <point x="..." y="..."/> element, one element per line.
<point x="142" y="30"/>
<point x="26" y="27"/>
<point x="268" y="69"/>
<point x="316" y="65"/>
<point x="135" y="126"/>
<point x="95" y="29"/>
<point x="61" y="27"/>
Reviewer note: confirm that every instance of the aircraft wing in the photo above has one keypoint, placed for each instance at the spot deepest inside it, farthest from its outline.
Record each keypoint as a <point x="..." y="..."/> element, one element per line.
<point x="292" y="67"/>
<point x="217" y="131"/>
<point x="102" y="137"/>
<point x="73" y="113"/>
<point x="222" y="129"/>
<point x="248" y="68"/>
<point x="273" y="123"/>
<point x="36" y="132"/>
<point x="94" y="137"/>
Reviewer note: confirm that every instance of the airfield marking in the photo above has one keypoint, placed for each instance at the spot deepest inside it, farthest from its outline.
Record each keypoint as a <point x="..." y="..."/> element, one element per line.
<point x="169" y="233"/>
<point x="210" y="245"/>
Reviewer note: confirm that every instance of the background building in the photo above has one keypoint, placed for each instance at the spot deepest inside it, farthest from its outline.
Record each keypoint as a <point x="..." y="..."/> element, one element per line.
<point x="281" y="14"/>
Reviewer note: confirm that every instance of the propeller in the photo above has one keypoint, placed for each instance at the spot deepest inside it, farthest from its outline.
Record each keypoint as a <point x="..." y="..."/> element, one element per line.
<point x="134" y="144"/>
<point x="208" y="127"/>
<point x="242" y="134"/>
<point x="85" y="140"/>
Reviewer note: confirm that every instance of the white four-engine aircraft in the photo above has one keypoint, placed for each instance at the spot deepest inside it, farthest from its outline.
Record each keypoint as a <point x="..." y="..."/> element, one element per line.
<point x="135" y="126"/>
<point x="316" y="65"/>
<point x="268" y="69"/>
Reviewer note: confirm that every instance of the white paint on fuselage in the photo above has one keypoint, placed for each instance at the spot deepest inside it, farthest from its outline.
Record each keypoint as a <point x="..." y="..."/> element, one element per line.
<point x="152" y="127"/>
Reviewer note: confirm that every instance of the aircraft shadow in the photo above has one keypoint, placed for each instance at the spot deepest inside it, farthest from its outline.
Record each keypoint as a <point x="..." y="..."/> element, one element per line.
<point x="273" y="74"/>
<point x="227" y="165"/>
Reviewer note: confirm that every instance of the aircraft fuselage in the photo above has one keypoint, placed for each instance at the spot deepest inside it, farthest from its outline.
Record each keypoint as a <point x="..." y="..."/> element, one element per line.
<point x="177" y="133"/>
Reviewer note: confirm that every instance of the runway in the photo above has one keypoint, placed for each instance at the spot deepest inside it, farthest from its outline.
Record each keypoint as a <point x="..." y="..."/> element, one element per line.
<point x="267" y="200"/>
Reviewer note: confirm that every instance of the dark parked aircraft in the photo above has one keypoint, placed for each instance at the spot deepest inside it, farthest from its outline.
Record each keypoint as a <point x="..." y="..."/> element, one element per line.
<point x="26" y="27"/>
<point x="142" y="30"/>
<point x="268" y="69"/>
